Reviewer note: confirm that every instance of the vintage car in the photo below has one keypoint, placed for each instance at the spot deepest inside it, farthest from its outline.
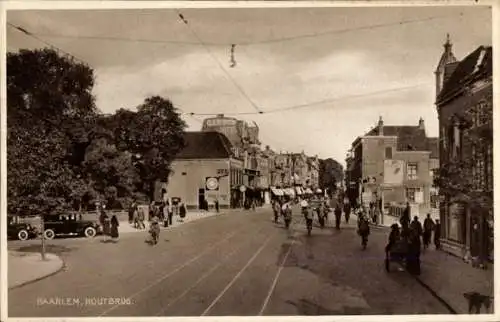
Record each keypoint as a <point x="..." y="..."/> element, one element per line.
<point x="69" y="225"/>
<point x="19" y="230"/>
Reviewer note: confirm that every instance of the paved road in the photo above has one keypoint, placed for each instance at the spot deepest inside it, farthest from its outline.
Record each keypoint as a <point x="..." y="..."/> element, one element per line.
<point x="235" y="264"/>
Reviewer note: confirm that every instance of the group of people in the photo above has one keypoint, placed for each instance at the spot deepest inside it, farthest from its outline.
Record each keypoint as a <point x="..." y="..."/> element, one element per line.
<point x="311" y="207"/>
<point x="109" y="225"/>
<point x="406" y="241"/>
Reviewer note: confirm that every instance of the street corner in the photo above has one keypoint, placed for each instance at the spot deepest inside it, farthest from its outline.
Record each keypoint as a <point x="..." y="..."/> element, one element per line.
<point x="26" y="268"/>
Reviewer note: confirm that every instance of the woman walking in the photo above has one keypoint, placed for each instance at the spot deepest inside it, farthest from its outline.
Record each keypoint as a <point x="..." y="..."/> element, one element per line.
<point x="106" y="227"/>
<point x="114" y="228"/>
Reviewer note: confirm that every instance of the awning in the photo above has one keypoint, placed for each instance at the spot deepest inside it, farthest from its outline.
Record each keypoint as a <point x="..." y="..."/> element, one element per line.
<point x="277" y="192"/>
<point x="289" y="192"/>
<point x="308" y="190"/>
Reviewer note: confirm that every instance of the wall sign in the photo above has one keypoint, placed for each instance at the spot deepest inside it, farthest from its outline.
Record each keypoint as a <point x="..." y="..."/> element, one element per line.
<point x="212" y="183"/>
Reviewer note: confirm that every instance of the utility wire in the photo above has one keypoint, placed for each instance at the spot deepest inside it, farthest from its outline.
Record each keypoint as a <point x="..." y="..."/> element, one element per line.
<point x="34" y="36"/>
<point x="218" y="63"/>
<point x="311" y="104"/>
<point x="249" y="43"/>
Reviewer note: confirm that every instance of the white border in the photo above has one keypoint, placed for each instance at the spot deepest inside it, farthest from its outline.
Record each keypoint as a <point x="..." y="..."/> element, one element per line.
<point x="81" y="5"/>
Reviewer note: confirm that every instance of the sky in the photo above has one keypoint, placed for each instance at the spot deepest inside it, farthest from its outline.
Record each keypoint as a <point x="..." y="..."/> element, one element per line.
<point x="356" y="64"/>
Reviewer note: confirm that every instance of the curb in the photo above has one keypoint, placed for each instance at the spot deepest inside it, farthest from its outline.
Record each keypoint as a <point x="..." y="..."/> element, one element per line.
<point x="172" y="226"/>
<point x="62" y="267"/>
<point x="435" y="295"/>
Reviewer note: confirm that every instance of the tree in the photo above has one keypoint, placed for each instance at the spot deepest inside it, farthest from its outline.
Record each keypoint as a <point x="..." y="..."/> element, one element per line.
<point x="330" y="172"/>
<point x="153" y="136"/>
<point x="457" y="178"/>
<point x="48" y="96"/>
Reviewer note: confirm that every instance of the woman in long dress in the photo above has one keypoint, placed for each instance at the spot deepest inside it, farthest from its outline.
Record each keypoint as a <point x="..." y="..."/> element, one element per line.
<point x="114" y="228"/>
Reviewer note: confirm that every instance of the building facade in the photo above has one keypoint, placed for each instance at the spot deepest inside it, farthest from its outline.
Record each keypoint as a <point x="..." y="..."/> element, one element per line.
<point x="464" y="102"/>
<point x="392" y="165"/>
<point x="206" y="170"/>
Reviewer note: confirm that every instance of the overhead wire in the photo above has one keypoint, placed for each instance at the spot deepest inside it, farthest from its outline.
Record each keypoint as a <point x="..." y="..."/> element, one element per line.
<point x="184" y="20"/>
<point x="34" y="36"/>
<point x="316" y="103"/>
<point x="257" y="42"/>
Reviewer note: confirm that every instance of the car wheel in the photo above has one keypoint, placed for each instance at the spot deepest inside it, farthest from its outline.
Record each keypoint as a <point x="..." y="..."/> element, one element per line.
<point x="49" y="234"/>
<point x="90" y="232"/>
<point x="22" y="234"/>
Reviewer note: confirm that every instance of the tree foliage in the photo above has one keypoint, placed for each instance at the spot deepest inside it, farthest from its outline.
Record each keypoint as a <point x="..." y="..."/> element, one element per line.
<point x="330" y="172"/>
<point x="63" y="154"/>
<point x="455" y="179"/>
<point x="153" y="135"/>
<point x="48" y="97"/>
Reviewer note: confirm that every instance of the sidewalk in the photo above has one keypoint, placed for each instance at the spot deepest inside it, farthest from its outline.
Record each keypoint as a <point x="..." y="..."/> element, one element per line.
<point x="125" y="227"/>
<point x="25" y="268"/>
<point x="449" y="277"/>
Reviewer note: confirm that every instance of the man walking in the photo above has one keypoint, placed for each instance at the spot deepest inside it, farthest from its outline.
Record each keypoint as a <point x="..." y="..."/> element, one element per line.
<point x="338" y="216"/>
<point x="347" y="212"/>
<point x="437" y="234"/>
<point x="428" y="227"/>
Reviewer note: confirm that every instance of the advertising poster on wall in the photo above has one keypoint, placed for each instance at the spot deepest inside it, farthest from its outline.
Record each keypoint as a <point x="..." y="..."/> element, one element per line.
<point x="393" y="171"/>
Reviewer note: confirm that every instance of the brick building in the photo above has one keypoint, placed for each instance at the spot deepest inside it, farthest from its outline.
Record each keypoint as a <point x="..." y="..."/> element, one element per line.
<point x="391" y="165"/>
<point x="464" y="101"/>
<point x="206" y="155"/>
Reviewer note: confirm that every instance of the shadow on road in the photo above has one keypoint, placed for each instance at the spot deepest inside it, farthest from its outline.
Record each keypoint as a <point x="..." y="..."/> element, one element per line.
<point x="54" y="249"/>
<point x="306" y="307"/>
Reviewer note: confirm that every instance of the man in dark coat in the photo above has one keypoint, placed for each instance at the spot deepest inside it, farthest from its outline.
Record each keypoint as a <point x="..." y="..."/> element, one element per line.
<point x="428" y="227"/>
<point x="405" y="218"/>
<point x="338" y="216"/>
<point x="437" y="234"/>
<point x="413" y="258"/>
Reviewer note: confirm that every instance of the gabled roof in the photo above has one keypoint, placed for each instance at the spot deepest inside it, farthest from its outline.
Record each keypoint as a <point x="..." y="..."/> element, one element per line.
<point x="477" y="62"/>
<point x="205" y="145"/>
<point x="410" y="138"/>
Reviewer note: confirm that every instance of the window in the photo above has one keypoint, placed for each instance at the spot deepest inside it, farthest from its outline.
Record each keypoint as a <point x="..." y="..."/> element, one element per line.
<point x="412" y="194"/>
<point x="434" y="199"/>
<point x="388" y="152"/>
<point x="411" y="171"/>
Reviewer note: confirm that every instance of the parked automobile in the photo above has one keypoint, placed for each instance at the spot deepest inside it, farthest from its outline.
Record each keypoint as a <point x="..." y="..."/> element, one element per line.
<point x="19" y="230"/>
<point x="69" y="225"/>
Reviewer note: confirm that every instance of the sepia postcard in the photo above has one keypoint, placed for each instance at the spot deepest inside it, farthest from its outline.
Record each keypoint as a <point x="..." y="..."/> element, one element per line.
<point x="223" y="160"/>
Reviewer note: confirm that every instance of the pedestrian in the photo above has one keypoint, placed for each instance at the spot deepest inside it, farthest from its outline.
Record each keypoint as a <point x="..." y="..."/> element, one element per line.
<point x="405" y="219"/>
<point x="114" y="228"/>
<point x="140" y="219"/>
<point x="437" y="234"/>
<point x="216" y="203"/>
<point x="154" y="230"/>
<point x="428" y="228"/>
<point x="413" y="259"/>
<point x="182" y="211"/>
<point x="417" y="226"/>
<point x="165" y="214"/>
<point x="338" y="216"/>
<point x="363" y="229"/>
<point x="106" y="225"/>
<point x="131" y="210"/>
<point x="170" y="212"/>
<point x="347" y="212"/>
<point x="276" y="210"/>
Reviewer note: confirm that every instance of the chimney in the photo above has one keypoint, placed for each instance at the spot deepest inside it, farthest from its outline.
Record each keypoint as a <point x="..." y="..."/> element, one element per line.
<point x="380" y="126"/>
<point x="421" y="124"/>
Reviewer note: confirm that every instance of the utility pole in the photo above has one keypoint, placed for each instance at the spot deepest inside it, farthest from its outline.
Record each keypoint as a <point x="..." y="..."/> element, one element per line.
<point x="43" y="237"/>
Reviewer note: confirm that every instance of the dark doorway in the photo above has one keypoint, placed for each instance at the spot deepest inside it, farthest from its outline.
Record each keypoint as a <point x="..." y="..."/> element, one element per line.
<point x="201" y="198"/>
